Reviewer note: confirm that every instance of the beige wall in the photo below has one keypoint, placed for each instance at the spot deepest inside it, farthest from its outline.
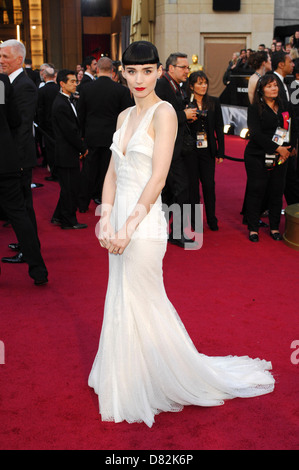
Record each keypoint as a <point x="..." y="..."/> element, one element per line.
<point x="191" y="26"/>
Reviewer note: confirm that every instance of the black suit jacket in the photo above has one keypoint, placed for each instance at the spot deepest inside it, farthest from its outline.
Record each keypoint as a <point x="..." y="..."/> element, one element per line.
<point x="282" y="92"/>
<point x="262" y="129"/>
<point x="34" y="75"/>
<point x="85" y="80"/>
<point x="46" y="97"/>
<point x="68" y="142"/>
<point x="9" y="122"/>
<point x="98" y="107"/>
<point x="25" y="97"/>
<point x="215" y="128"/>
<point x="165" y="91"/>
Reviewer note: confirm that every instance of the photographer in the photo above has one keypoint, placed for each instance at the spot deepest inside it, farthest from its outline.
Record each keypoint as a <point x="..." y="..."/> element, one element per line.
<point x="266" y="155"/>
<point x="207" y="132"/>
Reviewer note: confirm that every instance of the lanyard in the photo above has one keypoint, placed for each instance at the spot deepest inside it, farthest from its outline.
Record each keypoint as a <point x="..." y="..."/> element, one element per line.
<point x="176" y="88"/>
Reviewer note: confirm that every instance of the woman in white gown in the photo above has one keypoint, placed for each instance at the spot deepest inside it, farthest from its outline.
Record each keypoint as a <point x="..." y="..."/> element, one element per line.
<point x="146" y="362"/>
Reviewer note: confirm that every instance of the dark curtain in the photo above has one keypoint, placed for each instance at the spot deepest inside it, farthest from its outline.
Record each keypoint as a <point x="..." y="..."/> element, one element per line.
<point x="96" y="44"/>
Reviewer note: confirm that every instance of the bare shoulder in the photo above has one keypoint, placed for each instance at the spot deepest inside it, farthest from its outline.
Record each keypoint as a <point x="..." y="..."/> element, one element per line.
<point x="164" y="114"/>
<point x="122" y="116"/>
<point x="165" y="109"/>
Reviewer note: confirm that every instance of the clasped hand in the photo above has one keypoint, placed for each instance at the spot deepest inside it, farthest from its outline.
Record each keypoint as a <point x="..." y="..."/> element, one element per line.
<point x="113" y="242"/>
<point x="284" y="153"/>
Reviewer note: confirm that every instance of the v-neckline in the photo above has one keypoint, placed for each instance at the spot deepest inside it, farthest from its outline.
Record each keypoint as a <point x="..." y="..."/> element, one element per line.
<point x="123" y="129"/>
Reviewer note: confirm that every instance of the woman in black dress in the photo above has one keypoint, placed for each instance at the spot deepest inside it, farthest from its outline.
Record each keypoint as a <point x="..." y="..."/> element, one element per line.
<point x="207" y="131"/>
<point x="266" y="115"/>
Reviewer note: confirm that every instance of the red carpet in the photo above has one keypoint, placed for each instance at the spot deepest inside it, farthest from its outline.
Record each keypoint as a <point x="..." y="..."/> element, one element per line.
<point x="234" y="297"/>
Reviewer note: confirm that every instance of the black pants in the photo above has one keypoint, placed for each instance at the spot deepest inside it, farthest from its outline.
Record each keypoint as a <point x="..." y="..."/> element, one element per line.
<point x="260" y="180"/>
<point x="201" y="168"/>
<point x="69" y="180"/>
<point x="12" y="203"/>
<point x="26" y="180"/>
<point x="176" y="190"/>
<point x="95" y="166"/>
<point x="50" y="154"/>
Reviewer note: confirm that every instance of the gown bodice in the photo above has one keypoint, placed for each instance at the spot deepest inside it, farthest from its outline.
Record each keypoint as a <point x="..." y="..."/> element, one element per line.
<point x="133" y="170"/>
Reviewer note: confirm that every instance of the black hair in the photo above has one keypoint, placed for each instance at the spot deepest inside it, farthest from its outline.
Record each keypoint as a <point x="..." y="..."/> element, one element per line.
<point x="62" y="75"/>
<point x="276" y="57"/>
<point x="257" y="58"/>
<point x="193" y="78"/>
<point x="140" y="53"/>
<point x="259" y="90"/>
<point x="88" y="61"/>
<point x="173" y="58"/>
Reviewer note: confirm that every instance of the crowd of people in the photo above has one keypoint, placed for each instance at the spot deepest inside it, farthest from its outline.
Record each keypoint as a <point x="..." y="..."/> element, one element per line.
<point x="243" y="62"/>
<point x="74" y="113"/>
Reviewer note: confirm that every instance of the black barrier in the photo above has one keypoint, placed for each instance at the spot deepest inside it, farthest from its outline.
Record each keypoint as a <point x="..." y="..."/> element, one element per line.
<point x="236" y="92"/>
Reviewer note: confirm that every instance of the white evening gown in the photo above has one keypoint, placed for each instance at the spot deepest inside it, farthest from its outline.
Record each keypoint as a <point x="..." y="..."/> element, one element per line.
<point x="146" y="362"/>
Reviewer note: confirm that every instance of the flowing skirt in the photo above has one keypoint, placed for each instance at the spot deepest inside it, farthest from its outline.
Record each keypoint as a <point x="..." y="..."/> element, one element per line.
<point x="146" y="362"/>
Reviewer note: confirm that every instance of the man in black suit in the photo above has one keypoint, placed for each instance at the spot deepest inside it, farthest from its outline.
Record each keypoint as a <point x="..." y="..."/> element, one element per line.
<point x="98" y="108"/>
<point x="90" y="70"/>
<point x="33" y="74"/>
<point x="283" y="66"/>
<point x="68" y="148"/>
<point x="12" y="56"/>
<point x="11" y="197"/>
<point x="169" y="89"/>
<point x="46" y="97"/>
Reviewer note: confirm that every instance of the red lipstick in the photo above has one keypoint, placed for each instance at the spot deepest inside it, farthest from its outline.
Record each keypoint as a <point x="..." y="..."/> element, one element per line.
<point x="139" y="89"/>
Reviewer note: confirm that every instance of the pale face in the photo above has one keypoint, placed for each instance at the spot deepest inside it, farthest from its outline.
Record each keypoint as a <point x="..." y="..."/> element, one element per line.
<point x="10" y="60"/>
<point x="80" y="75"/>
<point x="141" y="79"/>
<point x="181" y="70"/>
<point x="271" y="90"/>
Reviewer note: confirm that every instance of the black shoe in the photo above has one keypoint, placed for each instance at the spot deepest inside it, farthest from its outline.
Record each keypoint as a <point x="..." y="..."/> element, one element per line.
<point x="253" y="237"/>
<point x="76" y="226"/>
<point x="214" y="227"/>
<point x="276" y="236"/>
<point x="55" y="221"/>
<point x="14" y="259"/>
<point x="181" y="242"/>
<point x="14" y="246"/>
<point x="40" y="282"/>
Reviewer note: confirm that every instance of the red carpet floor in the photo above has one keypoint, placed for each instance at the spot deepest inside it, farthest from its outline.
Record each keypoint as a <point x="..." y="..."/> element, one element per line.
<point x="234" y="297"/>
